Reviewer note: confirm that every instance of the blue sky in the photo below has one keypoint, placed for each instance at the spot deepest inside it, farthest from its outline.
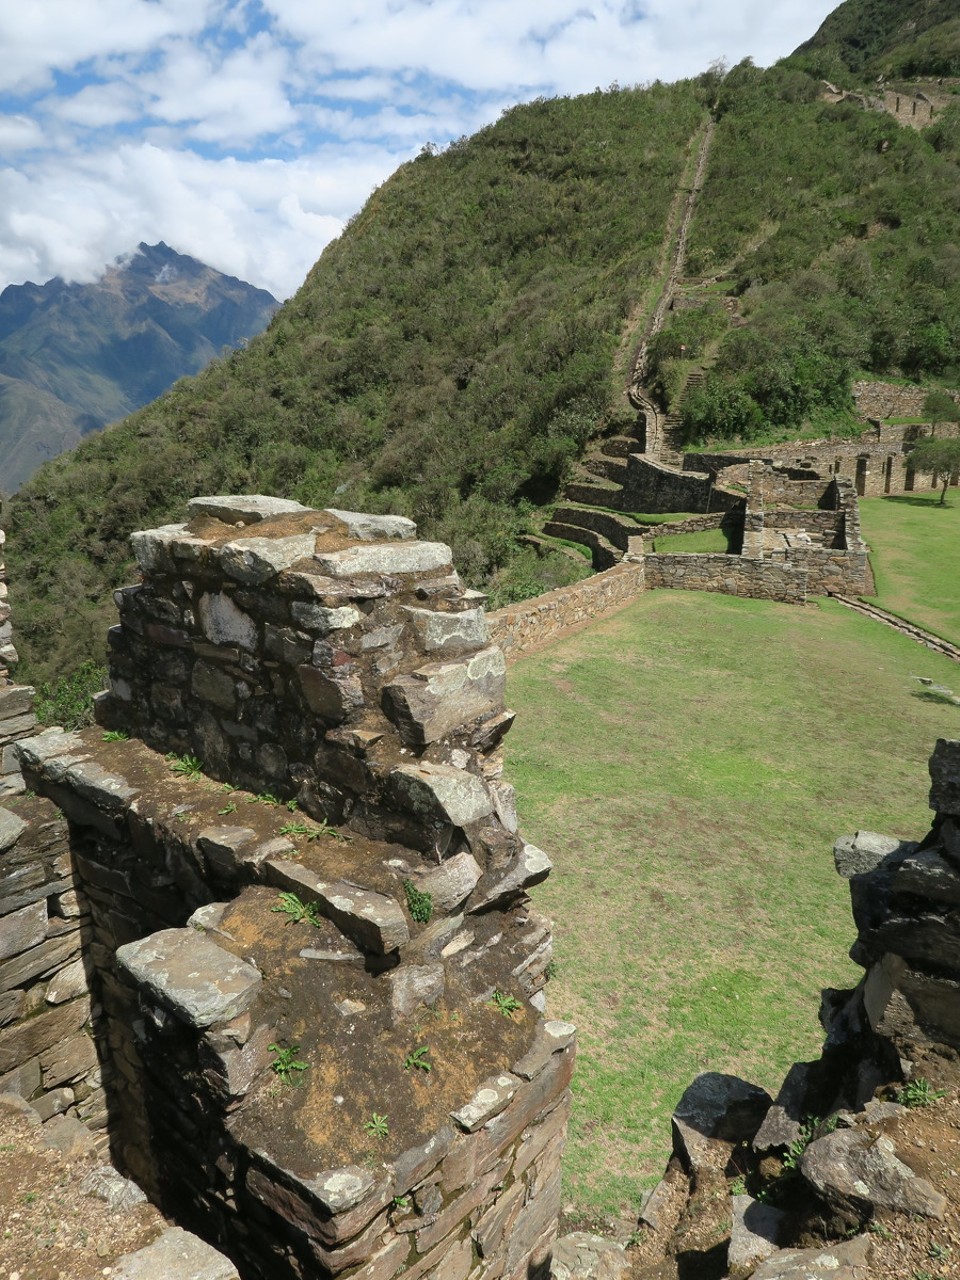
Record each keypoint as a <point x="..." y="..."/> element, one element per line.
<point x="246" y="132"/>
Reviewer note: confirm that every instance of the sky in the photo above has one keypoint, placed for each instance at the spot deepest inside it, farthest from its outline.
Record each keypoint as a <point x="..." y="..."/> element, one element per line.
<point x="246" y="132"/>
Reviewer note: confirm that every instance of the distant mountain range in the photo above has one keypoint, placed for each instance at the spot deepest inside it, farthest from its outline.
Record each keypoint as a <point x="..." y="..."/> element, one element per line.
<point x="74" y="357"/>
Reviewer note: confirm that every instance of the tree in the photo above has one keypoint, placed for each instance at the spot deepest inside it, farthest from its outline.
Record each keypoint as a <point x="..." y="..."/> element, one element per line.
<point x="939" y="456"/>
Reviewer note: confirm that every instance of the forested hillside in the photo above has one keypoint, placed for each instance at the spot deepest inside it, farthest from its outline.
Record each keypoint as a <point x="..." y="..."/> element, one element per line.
<point x="451" y="353"/>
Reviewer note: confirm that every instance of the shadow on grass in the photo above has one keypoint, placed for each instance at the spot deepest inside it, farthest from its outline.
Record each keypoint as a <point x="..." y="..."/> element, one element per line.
<point x="928" y="695"/>
<point x="908" y="500"/>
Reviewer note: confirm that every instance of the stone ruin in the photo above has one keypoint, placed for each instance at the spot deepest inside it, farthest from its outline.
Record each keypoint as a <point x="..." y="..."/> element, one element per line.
<point x="266" y="931"/>
<point x="215" y="955"/>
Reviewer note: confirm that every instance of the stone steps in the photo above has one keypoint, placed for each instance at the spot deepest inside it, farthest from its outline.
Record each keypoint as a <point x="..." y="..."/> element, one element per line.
<point x="603" y="553"/>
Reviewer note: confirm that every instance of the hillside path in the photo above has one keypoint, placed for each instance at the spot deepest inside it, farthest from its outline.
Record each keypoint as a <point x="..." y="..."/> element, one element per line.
<point x="676" y="266"/>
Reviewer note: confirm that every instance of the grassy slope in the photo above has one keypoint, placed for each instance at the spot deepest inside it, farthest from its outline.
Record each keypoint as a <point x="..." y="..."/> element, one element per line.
<point x="914" y="543"/>
<point x="688" y="764"/>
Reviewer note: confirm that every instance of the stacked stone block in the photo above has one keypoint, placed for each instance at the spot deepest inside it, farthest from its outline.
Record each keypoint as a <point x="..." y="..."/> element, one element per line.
<point x="905" y="903"/>
<point x="47" y="1049"/>
<point x="16" y="701"/>
<point x="335" y="668"/>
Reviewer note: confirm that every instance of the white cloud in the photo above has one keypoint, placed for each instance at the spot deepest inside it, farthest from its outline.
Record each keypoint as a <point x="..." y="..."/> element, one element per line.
<point x="245" y="132"/>
<point x="47" y="35"/>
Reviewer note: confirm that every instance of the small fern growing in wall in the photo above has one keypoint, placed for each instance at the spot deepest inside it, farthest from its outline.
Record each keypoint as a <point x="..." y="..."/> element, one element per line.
<point x="419" y="902"/>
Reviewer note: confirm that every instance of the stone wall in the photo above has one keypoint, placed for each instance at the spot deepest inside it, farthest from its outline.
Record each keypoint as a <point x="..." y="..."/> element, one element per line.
<point x="732" y="575"/>
<point x="16" y="701"/>
<point x="891" y="400"/>
<point x="904" y="904"/>
<point x="876" y="462"/>
<point x="47" y="1049"/>
<point x="518" y="628"/>
<point x="650" y="486"/>
<point x="316" y="1023"/>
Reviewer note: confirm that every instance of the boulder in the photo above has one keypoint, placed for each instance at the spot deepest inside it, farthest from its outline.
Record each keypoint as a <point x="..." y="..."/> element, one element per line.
<point x="756" y="1233"/>
<point x="582" y="1256"/>
<point x="847" y="1261"/>
<point x="854" y="1172"/>
<point x="190" y="975"/>
<point x="715" y="1111"/>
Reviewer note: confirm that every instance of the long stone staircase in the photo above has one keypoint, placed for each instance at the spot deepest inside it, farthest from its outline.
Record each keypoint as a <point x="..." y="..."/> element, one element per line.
<point x="588" y="512"/>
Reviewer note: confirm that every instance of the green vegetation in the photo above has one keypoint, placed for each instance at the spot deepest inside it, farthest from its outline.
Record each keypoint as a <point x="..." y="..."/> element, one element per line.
<point x="939" y="457"/>
<point x="452" y="352"/>
<point x="505" y="1004"/>
<point x="296" y="911"/>
<point x="418" y="1060"/>
<point x="913" y="543"/>
<point x="378" y="1125"/>
<point x="890" y="37"/>
<point x="446" y="358"/>
<point x="688" y="543"/>
<point x="919" y="1093"/>
<point x="68" y="702"/>
<point x="187" y="766"/>
<point x="287" y="1065"/>
<point x="419" y="902"/>
<point x="688" y="764"/>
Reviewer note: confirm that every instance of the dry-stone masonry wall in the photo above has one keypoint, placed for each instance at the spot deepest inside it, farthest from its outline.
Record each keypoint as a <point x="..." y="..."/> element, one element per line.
<point x="16" y="701"/>
<point x="732" y="575"/>
<point x="314" y="970"/>
<point x="518" y="628"/>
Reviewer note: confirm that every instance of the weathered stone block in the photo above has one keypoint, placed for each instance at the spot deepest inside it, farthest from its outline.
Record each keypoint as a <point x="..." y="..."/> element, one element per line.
<point x="449" y="632"/>
<point x="331" y="695"/>
<point x="865" y="851"/>
<point x="190" y="975"/>
<point x="855" y="1171"/>
<point x="436" y="699"/>
<point x="451" y="883"/>
<point x="70" y="982"/>
<point x="27" y="1040"/>
<point x="441" y="793"/>
<point x="68" y="1060"/>
<point x="152" y="547"/>
<point x="945" y="777"/>
<point x="22" y="929"/>
<point x="176" y="1255"/>
<point x="319" y="618"/>
<point x="414" y="985"/>
<point x="11" y="829"/>
<point x="245" y="508"/>
<point x="223" y="623"/>
<point x="716" y="1110"/>
<point x="488" y="1101"/>
<point x="373" y="920"/>
<point x="373" y="528"/>
<point x="385" y="558"/>
<point x="530" y="867"/>
<point x="213" y="685"/>
<point x="254" y="561"/>
<point x="551" y="1038"/>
